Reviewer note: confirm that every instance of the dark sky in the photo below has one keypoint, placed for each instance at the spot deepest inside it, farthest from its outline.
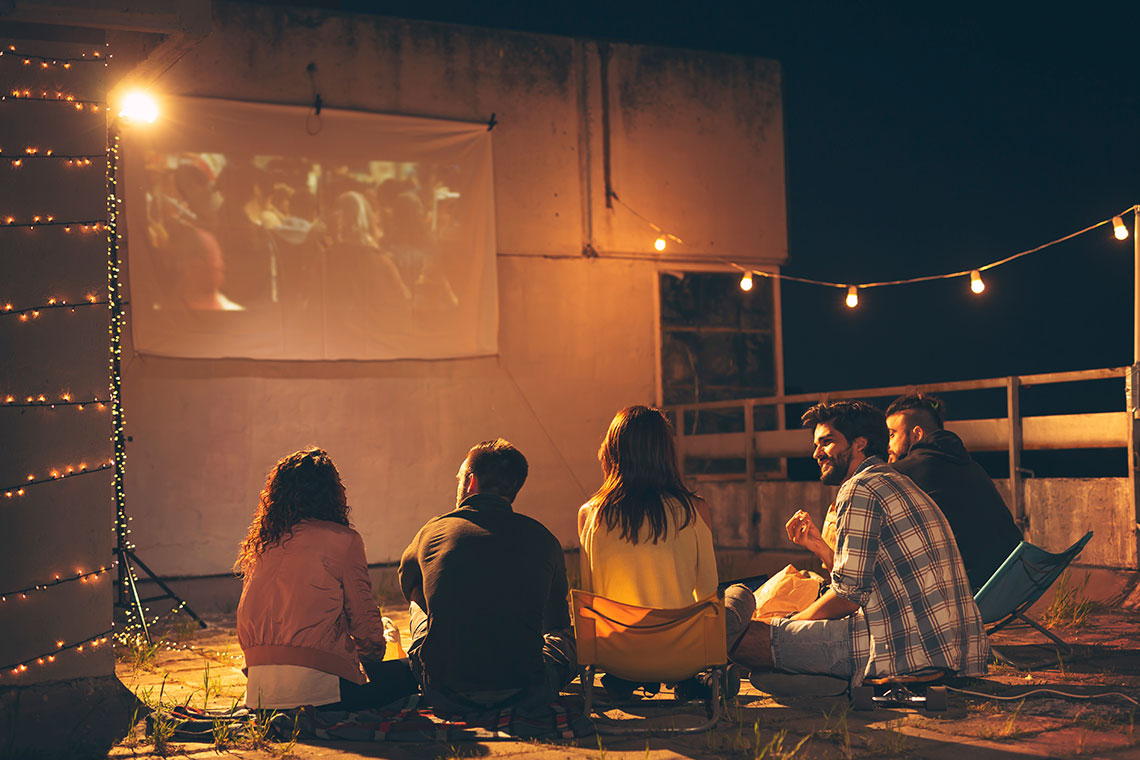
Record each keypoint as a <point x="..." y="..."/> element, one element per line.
<point x="923" y="139"/>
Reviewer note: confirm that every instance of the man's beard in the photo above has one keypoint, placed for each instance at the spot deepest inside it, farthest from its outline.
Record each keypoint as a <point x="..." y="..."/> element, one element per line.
<point x="840" y="463"/>
<point x="893" y="457"/>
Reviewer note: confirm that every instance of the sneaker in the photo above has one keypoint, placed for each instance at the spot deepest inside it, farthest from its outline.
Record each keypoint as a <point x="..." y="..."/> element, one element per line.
<point x="692" y="690"/>
<point x="699" y="687"/>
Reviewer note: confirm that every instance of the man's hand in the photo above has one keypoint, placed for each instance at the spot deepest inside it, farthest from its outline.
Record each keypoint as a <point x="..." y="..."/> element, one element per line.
<point x="802" y="531"/>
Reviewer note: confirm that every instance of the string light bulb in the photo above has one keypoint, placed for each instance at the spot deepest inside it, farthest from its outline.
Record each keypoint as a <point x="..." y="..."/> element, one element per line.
<point x="1118" y="228"/>
<point x="746" y="282"/>
<point x="659" y="243"/>
<point x="976" y="283"/>
<point x="852" y="296"/>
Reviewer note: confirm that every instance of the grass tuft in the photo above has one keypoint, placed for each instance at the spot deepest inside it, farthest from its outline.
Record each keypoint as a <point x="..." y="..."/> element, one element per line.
<point x="1071" y="606"/>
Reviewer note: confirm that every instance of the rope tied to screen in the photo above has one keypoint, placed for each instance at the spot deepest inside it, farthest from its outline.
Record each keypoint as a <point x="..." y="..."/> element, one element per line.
<point x="313" y="122"/>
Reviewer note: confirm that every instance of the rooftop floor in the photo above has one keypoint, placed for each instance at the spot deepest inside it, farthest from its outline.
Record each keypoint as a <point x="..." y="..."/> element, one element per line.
<point x="203" y="668"/>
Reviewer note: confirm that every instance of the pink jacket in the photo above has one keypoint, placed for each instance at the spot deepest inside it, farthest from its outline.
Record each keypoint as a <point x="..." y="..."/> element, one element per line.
<point x="304" y="600"/>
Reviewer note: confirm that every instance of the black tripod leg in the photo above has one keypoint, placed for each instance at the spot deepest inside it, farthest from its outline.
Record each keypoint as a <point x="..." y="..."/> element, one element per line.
<point x="164" y="587"/>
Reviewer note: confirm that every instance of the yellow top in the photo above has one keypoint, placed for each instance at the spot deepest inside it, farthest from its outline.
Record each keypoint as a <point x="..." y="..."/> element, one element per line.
<point x="674" y="572"/>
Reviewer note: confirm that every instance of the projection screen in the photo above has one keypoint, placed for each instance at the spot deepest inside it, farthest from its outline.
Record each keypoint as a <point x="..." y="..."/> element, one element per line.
<point x="249" y="237"/>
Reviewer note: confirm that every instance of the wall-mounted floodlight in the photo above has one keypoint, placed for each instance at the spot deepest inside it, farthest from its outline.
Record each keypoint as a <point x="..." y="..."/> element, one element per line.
<point x="139" y="108"/>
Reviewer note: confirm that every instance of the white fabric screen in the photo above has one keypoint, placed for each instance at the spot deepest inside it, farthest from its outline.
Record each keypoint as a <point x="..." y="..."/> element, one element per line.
<point x="250" y="237"/>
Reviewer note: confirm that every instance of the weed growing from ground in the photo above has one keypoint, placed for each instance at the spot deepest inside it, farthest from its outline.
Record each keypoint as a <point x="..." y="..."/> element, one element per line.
<point x="135" y="651"/>
<point x="1071" y="606"/>
<point x="224" y="733"/>
<point x="835" y="726"/>
<point x="774" y="749"/>
<point x="162" y="726"/>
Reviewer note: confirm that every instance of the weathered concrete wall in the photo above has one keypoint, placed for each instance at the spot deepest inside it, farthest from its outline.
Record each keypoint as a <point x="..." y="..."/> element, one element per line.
<point x="1059" y="511"/>
<point x="697" y="146"/>
<point x="54" y="529"/>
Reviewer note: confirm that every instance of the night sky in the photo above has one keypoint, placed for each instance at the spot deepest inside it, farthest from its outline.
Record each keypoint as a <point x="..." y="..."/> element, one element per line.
<point x="924" y="139"/>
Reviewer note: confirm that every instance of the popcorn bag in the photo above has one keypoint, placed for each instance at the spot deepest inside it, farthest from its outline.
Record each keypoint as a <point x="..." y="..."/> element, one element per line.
<point x="787" y="591"/>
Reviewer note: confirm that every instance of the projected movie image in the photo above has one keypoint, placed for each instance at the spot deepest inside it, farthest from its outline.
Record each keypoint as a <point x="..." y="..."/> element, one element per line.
<point x="307" y="256"/>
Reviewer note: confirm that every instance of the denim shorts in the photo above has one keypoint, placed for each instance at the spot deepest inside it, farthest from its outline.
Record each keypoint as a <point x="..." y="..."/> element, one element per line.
<point x="820" y="647"/>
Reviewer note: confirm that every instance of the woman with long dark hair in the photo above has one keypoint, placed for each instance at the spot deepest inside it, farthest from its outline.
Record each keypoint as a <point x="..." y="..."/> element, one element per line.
<point x="307" y="622"/>
<point x="646" y="538"/>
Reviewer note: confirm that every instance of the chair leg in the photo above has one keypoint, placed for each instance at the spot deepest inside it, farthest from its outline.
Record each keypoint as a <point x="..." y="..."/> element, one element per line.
<point x="720" y="675"/>
<point x="713" y="709"/>
<point x="1065" y="648"/>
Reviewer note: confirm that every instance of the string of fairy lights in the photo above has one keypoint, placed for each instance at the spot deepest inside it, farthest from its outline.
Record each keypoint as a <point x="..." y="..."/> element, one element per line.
<point x="80" y="577"/>
<point x="49" y="157"/>
<point x="977" y="284"/>
<point x="50" y="61"/>
<point x="33" y="153"/>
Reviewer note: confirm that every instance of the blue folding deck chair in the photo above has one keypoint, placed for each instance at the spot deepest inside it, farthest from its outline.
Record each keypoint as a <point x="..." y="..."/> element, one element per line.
<point x="1026" y="574"/>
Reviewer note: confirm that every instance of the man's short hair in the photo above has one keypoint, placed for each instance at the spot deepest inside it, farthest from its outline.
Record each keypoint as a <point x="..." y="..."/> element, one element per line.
<point x="500" y="468"/>
<point x="853" y="419"/>
<point x="922" y="409"/>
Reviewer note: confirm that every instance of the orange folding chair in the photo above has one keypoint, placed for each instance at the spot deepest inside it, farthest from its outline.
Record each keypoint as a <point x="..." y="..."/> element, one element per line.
<point x="645" y="644"/>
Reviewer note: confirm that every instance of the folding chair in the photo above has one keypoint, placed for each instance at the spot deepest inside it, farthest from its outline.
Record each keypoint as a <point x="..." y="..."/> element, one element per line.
<point x="644" y="644"/>
<point x="1025" y="575"/>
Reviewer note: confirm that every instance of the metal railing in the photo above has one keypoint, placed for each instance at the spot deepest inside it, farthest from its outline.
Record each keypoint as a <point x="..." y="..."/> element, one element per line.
<point x="1013" y="432"/>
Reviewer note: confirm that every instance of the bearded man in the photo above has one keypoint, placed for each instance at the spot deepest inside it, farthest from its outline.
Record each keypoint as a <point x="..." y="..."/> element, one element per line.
<point x="899" y="601"/>
<point x="937" y="461"/>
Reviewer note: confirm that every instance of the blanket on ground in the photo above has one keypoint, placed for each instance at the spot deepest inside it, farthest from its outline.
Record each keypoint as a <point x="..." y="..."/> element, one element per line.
<point x="407" y="720"/>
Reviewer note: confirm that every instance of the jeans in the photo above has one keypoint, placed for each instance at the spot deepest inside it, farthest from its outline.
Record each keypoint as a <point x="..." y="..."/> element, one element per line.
<point x="739" y="604"/>
<point x="820" y="647"/>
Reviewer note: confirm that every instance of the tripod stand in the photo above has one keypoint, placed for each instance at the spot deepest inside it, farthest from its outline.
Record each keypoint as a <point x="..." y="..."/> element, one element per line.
<point x="127" y="598"/>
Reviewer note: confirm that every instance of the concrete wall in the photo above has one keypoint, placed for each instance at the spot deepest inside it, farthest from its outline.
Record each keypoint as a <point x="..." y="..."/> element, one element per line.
<point x="54" y="529"/>
<point x="697" y="146"/>
<point x="1059" y="511"/>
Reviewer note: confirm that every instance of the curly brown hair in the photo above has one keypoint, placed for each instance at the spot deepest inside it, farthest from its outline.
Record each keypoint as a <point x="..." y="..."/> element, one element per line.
<point x="303" y="486"/>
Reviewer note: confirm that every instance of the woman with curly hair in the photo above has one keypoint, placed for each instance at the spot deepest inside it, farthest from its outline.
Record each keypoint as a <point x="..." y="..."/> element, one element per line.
<point x="308" y="625"/>
<point x="647" y="539"/>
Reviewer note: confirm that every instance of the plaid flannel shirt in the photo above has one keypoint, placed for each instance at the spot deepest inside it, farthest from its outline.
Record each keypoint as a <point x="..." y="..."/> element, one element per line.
<point x="897" y="559"/>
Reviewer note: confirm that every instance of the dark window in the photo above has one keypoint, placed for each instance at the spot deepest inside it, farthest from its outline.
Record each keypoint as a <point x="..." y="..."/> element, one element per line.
<point x="718" y="344"/>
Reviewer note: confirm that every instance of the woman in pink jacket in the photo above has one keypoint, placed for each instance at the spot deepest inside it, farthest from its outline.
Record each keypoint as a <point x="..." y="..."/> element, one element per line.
<point x="310" y="629"/>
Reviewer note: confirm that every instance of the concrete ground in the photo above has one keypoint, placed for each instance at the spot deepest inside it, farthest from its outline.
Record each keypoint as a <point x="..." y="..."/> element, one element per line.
<point x="202" y="668"/>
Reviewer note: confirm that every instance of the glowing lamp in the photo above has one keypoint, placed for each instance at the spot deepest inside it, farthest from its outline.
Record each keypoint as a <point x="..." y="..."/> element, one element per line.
<point x="976" y="283"/>
<point x="746" y="282"/>
<point x="659" y="243"/>
<point x="852" y="297"/>
<point x="1118" y="228"/>
<point x="139" y="107"/>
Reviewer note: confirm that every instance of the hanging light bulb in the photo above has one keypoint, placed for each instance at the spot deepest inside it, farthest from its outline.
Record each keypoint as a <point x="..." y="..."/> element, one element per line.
<point x="1118" y="228"/>
<point x="659" y="243"/>
<point x="746" y="282"/>
<point x="852" y="296"/>
<point x="976" y="283"/>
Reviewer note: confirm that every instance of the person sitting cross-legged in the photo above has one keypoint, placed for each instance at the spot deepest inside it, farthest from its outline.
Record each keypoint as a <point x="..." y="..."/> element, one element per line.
<point x="307" y="621"/>
<point x="899" y="601"/>
<point x="488" y="594"/>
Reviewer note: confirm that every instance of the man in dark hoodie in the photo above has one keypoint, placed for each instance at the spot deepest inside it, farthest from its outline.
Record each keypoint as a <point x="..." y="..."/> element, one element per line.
<point x="937" y="461"/>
